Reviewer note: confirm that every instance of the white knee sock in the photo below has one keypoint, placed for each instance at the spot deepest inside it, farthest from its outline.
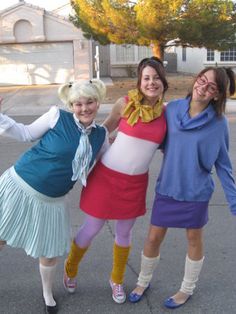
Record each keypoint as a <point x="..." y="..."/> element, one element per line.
<point x="191" y="274"/>
<point x="47" y="275"/>
<point x="148" y="265"/>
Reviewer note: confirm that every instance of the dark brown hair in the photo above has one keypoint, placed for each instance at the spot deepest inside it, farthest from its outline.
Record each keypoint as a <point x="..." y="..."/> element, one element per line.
<point x="157" y="65"/>
<point x="225" y="81"/>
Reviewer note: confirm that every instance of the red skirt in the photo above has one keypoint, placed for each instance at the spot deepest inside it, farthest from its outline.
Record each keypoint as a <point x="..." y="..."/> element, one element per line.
<point x="113" y="195"/>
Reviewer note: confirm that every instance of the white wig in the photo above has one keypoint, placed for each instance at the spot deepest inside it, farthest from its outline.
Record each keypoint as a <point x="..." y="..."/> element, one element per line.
<point x="71" y="92"/>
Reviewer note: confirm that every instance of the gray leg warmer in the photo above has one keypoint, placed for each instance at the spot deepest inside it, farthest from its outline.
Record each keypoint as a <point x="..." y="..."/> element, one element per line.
<point x="191" y="274"/>
<point x="148" y="265"/>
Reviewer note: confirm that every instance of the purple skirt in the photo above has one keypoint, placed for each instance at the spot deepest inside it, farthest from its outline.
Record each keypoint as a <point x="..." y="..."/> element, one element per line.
<point x="168" y="212"/>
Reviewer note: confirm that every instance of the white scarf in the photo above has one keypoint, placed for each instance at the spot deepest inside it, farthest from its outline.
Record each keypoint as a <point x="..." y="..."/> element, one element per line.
<point x="83" y="154"/>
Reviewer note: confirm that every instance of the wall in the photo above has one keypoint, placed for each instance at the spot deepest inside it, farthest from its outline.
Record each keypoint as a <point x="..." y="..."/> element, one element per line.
<point x="195" y="58"/>
<point x="125" y="58"/>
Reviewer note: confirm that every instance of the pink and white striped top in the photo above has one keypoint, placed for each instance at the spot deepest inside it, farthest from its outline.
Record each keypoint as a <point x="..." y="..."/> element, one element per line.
<point x="134" y="146"/>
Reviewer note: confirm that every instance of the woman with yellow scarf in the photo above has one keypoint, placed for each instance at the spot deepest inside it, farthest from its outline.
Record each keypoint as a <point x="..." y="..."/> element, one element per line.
<point x="116" y="188"/>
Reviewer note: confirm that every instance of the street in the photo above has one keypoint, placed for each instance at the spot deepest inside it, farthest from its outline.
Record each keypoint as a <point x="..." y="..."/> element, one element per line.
<point x="20" y="286"/>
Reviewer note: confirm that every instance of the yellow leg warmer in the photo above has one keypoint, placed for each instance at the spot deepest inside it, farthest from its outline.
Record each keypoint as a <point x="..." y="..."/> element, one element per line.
<point x="74" y="257"/>
<point x="120" y="258"/>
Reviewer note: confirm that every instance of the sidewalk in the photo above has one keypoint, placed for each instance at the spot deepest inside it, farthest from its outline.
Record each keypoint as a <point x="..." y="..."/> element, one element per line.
<point x="33" y="100"/>
<point x="36" y="100"/>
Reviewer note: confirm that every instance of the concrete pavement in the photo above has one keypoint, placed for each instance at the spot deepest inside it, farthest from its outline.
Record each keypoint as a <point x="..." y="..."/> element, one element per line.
<point x="20" y="287"/>
<point x="33" y="100"/>
<point x="36" y="100"/>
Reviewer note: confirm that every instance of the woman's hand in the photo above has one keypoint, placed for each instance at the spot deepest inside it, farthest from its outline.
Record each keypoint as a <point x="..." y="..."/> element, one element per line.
<point x="112" y="139"/>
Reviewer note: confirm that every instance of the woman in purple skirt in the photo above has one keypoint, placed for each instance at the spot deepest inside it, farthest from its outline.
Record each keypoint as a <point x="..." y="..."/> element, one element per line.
<point x="197" y="140"/>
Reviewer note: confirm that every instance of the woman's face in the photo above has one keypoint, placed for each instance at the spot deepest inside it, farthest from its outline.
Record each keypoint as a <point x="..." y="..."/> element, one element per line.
<point x="85" y="110"/>
<point x="205" y="88"/>
<point x="151" y="85"/>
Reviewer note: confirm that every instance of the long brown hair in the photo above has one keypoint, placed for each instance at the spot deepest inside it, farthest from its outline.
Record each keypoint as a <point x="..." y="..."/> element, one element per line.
<point x="157" y="65"/>
<point x="225" y="81"/>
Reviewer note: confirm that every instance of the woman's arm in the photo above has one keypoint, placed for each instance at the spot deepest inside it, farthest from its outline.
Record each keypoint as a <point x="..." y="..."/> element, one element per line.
<point x="112" y="121"/>
<point x="225" y="173"/>
<point x="31" y="132"/>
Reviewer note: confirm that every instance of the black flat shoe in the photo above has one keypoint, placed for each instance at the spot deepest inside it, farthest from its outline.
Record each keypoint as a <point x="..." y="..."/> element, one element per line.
<point x="51" y="309"/>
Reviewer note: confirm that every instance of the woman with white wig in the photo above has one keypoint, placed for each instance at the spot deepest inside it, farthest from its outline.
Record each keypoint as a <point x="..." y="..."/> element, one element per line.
<point x="32" y="192"/>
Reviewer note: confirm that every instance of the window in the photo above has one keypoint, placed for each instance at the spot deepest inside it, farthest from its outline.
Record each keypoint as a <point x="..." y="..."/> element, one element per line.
<point x="144" y="52"/>
<point x="125" y="53"/>
<point x="210" y="55"/>
<point x="129" y="54"/>
<point x="228" y="55"/>
<point x="183" y="53"/>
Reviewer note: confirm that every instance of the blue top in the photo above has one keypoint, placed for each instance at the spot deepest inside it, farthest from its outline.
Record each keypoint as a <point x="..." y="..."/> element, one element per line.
<point x="193" y="146"/>
<point x="47" y="166"/>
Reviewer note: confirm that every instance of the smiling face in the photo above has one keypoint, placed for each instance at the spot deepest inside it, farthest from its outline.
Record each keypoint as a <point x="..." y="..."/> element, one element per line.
<point x="151" y="85"/>
<point x="205" y="88"/>
<point x="85" y="110"/>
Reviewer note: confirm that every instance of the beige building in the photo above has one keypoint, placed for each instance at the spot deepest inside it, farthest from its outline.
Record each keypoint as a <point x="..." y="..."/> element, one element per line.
<point x="41" y="47"/>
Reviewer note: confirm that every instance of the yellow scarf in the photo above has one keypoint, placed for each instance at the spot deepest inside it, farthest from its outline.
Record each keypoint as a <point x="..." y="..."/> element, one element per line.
<point x="134" y="109"/>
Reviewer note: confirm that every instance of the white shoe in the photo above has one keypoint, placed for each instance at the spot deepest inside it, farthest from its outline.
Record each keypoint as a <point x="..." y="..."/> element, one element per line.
<point x="118" y="293"/>
<point x="70" y="284"/>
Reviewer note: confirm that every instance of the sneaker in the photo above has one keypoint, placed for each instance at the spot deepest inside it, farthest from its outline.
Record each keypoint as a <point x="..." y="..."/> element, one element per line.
<point x="70" y="284"/>
<point x="118" y="293"/>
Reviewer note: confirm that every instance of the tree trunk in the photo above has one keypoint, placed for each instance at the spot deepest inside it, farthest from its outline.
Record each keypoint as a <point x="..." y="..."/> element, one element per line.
<point x="157" y="49"/>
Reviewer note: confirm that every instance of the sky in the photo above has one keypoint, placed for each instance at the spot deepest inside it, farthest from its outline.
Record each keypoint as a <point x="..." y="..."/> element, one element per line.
<point x="46" y="4"/>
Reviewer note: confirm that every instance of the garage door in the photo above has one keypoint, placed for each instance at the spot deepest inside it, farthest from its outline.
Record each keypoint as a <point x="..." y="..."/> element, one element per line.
<point x="39" y="63"/>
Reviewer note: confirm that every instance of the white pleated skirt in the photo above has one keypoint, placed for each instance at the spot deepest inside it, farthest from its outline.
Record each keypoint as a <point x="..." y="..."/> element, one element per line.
<point x="30" y="220"/>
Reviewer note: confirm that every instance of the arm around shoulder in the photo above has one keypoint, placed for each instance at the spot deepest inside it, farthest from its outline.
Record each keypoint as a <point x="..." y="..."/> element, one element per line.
<point x="112" y="121"/>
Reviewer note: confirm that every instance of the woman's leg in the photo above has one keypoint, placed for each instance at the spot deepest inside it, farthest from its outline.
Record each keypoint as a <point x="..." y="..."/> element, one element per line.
<point x="149" y="260"/>
<point x="2" y="244"/>
<point x="47" y="269"/>
<point x="193" y="265"/>
<point x="195" y="243"/>
<point x="154" y="240"/>
<point x="121" y="250"/>
<point x="79" y="246"/>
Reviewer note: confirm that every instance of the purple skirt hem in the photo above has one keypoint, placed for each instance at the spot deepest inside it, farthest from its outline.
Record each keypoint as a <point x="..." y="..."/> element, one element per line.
<point x="170" y="213"/>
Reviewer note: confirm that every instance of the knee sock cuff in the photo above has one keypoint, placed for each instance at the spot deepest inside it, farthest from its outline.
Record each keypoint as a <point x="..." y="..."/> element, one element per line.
<point x="48" y="267"/>
<point x="193" y="262"/>
<point x="121" y="249"/>
<point x="150" y="260"/>
<point x="77" y="252"/>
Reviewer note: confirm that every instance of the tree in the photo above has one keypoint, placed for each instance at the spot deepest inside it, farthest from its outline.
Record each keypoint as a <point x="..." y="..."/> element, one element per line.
<point x="159" y="23"/>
